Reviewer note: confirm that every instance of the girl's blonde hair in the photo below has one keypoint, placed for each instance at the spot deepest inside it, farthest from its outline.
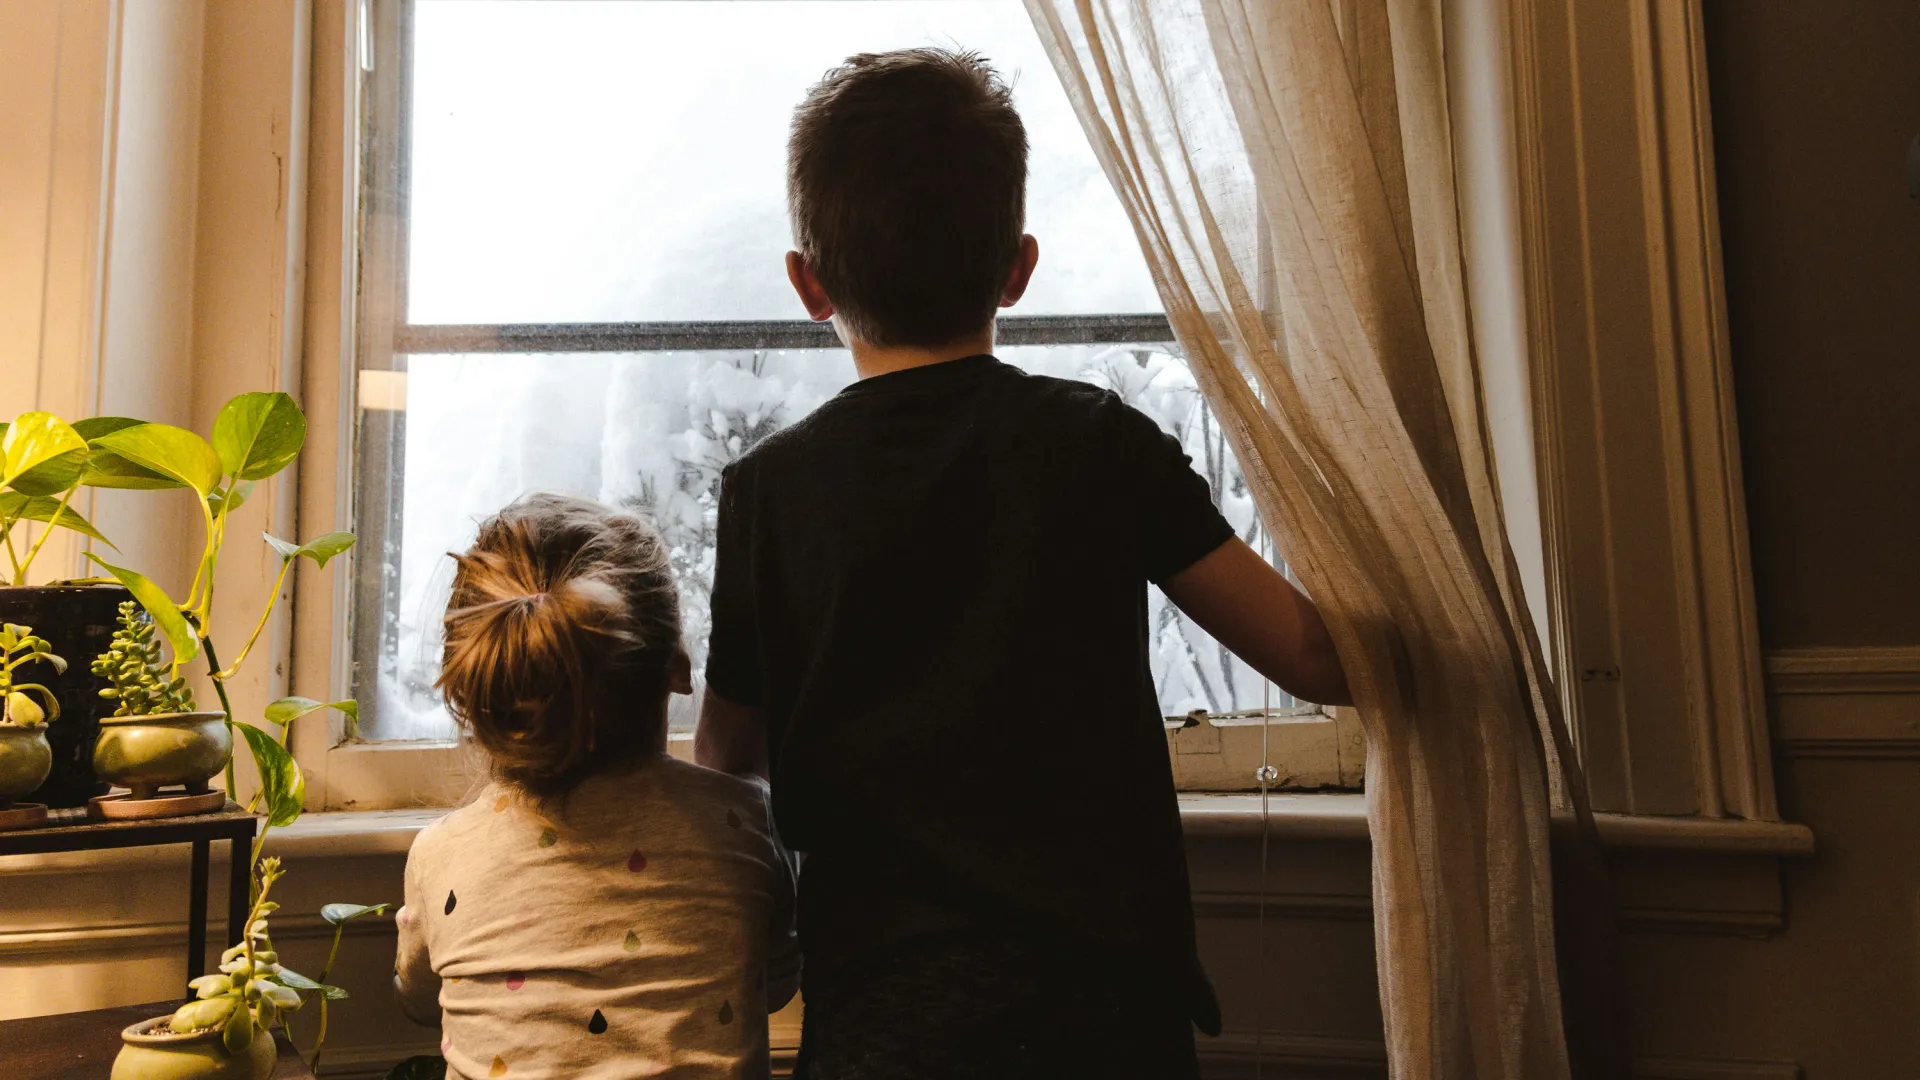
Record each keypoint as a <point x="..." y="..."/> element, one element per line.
<point x="560" y="636"/>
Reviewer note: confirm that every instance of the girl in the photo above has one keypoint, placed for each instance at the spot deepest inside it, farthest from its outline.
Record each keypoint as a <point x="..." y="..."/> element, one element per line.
<point x="601" y="910"/>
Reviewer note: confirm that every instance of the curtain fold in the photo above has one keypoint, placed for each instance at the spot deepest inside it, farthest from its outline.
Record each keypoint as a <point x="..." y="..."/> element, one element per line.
<point x="1288" y="168"/>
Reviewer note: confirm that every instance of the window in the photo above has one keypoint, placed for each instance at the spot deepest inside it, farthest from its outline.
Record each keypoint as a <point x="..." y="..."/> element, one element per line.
<point x="572" y="280"/>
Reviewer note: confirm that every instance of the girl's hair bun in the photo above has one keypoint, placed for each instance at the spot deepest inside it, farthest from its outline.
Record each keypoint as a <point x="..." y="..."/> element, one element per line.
<point x="560" y="632"/>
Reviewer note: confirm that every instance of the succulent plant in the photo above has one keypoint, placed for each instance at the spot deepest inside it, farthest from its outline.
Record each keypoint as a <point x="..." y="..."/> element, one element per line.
<point x="251" y="990"/>
<point x="143" y="684"/>
<point x="19" y="646"/>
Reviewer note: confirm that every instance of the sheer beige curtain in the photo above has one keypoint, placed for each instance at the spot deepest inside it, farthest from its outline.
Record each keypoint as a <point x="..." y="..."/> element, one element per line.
<point x="1287" y="165"/>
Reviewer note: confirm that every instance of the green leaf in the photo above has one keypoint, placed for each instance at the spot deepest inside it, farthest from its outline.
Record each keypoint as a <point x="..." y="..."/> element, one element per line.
<point x="320" y="549"/>
<point x="336" y="914"/>
<point x="95" y="426"/>
<point x="232" y="497"/>
<point x="106" y="469"/>
<point x="238" y="1032"/>
<point x="33" y="440"/>
<point x="257" y="435"/>
<point x="289" y="977"/>
<point x="16" y="506"/>
<point x="288" y="709"/>
<point x="62" y="473"/>
<point x="55" y="476"/>
<point x="166" y="613"/>
<point x="282" y="785"/>
<point x="204" y="1013"/>
<point x="168" y="450"/>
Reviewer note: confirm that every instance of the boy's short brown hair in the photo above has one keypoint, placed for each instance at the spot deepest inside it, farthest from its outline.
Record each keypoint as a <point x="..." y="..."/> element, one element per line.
<point x="906" y="182"/>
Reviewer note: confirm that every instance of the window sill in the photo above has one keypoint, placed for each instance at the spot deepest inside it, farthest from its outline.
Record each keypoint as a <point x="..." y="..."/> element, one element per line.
<point x="1291" y="816"/>
<point x="1344" y="817"/>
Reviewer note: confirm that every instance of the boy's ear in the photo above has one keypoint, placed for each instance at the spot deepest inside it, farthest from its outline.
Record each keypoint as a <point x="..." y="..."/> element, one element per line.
<point x="680" y="673"/>
<point x="1022" y="271"/>
<point x="807" y="287"/>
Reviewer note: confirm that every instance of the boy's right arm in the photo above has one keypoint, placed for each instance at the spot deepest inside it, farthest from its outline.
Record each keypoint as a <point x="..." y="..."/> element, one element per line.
<point x="1188" y="549"/>
<point x="1248" y="606"/>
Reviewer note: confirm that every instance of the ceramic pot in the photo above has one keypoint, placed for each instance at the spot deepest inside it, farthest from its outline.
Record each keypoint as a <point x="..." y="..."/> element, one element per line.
<point x="78" y="621"/>
<point x="196" y="1055"/>
<point x="25" y="760"/>
<point x="143" y="753"/>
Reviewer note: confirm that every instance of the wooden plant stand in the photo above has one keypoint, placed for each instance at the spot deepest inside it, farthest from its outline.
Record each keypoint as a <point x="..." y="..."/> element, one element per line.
<point x="70" y="830"/>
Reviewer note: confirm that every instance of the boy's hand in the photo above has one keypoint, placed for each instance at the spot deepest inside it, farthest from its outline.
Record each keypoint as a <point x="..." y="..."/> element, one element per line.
<point x="1247" y="605"/>
<point x="731" y="738"/>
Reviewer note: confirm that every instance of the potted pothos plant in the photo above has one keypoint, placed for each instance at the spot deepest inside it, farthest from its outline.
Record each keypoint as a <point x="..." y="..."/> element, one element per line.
<point x="156" y="737"/>
<point x="44" y="463"/>
<point x="225" y="1032"/>
<point x="25" y="708"/>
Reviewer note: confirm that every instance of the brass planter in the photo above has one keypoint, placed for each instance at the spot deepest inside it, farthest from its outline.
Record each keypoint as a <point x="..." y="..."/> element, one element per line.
<point x="197" y="1055"/>
<point x="25" y="759"/>
<point x="146" y="753"/>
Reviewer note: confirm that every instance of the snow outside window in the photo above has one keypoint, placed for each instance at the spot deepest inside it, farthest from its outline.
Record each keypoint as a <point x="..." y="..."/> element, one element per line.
<point x="584" y="219"/>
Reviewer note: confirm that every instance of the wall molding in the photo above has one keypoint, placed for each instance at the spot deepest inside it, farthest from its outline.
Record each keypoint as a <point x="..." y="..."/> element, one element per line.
<point x="1846" y="702"/>
<point x="1696" y="922"/>
<point x="1232" y="1055"/>
<point x="1852" y="669"/>
<point x="1857" y="749"/>
<point x="1236" y="904"/>
<point x="1714" y="1069"/>
<point x="69" y="942"/>
<point x="371" y="1062"/>
<point x="1235" y="1053"/>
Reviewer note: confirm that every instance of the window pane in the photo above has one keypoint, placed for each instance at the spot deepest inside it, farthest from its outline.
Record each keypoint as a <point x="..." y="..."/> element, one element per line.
<point x="654" y="430"/>
<point x="624" y="161"/>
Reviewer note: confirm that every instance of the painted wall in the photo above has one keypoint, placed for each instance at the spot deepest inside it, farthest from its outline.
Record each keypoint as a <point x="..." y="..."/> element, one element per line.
<point x="56" y="62"/>
<point x="1814" y="106"/>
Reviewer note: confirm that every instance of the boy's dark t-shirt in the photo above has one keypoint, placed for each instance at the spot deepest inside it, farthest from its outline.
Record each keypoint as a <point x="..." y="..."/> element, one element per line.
<point x="935" y="586"/>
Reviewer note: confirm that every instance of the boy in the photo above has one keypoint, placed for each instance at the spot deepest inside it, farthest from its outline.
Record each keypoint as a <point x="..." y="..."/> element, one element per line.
<point x="929" y="628"/>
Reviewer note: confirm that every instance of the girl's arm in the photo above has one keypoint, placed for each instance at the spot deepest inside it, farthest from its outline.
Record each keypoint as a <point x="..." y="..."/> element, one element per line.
<point x="415" y="983"/>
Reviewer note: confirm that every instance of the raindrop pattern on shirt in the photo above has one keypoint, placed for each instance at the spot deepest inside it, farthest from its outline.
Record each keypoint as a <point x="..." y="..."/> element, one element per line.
<point x="598" y="1023"/>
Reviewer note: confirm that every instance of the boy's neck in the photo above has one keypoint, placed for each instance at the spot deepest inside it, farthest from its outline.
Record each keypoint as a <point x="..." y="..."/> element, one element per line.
<point x="871" y="360"/>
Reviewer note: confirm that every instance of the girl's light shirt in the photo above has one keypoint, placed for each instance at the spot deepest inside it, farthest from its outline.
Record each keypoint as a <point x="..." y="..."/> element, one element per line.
<point x="644" y="927"/>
